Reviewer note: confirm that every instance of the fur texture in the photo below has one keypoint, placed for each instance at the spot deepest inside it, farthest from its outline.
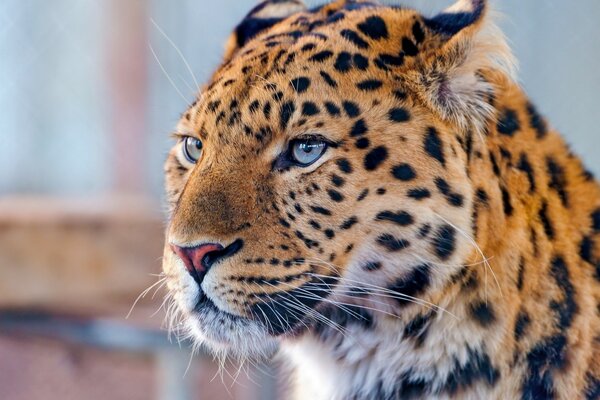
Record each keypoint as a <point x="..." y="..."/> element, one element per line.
<point x="445" y="244"/>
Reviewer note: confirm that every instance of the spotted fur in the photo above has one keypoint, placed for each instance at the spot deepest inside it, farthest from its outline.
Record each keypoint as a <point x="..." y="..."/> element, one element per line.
<point x="445" y="246"/>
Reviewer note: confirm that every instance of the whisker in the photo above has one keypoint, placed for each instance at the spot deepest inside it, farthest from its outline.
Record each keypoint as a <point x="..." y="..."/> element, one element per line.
<point x="187" y="65"/>
<point x="166" y="74"/>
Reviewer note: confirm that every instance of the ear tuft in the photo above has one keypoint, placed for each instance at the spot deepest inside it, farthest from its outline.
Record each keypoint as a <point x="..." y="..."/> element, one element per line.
<point x="459" y="16"/>
<point x="264" y="16"/>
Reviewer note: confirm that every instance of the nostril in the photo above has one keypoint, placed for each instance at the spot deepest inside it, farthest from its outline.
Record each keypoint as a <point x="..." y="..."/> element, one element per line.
<point x="197" y="259"/>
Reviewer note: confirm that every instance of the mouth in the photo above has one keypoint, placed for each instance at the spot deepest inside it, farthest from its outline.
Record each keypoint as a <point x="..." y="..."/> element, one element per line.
<point x="223" y="332"/>
<point x="286" y="313"/>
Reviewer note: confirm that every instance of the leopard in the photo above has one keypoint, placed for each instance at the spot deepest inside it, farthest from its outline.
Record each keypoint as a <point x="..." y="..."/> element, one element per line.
<point x="367" y="194"/>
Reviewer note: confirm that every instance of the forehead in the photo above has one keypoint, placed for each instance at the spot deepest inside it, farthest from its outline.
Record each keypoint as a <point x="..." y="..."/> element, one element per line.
<point x="310" y="57"/>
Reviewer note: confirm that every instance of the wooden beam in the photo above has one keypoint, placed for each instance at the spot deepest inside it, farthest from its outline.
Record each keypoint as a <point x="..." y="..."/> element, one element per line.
<point x="78" y="256"/>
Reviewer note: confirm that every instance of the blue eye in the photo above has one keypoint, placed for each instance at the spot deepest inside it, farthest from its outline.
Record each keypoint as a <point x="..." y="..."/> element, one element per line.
<point x="306" y="151"/>
<point x="192" y="149"/>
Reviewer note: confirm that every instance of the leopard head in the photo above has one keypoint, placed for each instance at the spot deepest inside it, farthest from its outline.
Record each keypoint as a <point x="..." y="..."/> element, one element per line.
<point x="324" y="163"/>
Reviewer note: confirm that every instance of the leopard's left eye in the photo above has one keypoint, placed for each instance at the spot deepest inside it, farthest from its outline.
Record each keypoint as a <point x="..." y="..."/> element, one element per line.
<point x="192" y="149"/>
<point x="305" y="152"/>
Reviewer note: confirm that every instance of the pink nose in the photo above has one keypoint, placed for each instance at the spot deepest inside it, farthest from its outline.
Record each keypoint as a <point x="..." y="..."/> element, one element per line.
<point x="198" y="259"/>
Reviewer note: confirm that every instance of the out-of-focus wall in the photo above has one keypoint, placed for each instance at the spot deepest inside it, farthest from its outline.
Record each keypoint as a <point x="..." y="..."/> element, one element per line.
<point x="65" y="127"/>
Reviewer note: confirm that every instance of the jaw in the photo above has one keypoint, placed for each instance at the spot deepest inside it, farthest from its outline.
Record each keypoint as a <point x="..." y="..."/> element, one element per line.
<point x="226" y="334"/>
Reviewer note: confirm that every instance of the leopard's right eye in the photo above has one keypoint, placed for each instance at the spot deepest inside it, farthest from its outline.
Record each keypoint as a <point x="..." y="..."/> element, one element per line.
<point x="192" y="149"/>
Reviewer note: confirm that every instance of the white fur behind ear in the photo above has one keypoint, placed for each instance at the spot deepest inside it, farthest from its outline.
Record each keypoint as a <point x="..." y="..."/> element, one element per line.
<point x="487" y="49"/>
<point x="453" y="84"/>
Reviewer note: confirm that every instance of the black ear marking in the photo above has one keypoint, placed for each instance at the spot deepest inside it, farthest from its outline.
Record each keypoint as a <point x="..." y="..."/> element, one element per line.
<point x="458" y="17"/>
<point x="264" y="16"/>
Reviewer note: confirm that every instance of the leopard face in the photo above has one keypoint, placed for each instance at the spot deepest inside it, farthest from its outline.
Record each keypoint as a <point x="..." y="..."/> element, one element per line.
<point x="325" y="162"/>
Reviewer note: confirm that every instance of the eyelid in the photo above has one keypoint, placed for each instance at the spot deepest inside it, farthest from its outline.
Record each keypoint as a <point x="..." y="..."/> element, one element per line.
<point x="179" y="136"/>
<point x="317" y="137"/>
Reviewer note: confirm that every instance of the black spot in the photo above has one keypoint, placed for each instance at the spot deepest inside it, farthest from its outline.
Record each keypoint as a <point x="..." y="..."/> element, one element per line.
<point x="351" y="109"/>
<point x="374" y="27"/>
<point x="301" y="84"/>
<point x="483" y="313"/>
<point x="444" y="242"/>
<point x="308" y="47"/>
<point x="558" y="180"/>
<point x="369" y="85"/>
<point x="482" y="196"/>
<point x="404" y="172"/>
<point x="362" y="143"/>
<point x="526" y="167"/>
<point x="596" y="221"/>
<point x="418" y="33"/>
<point x="349" y="223"/>
<point x="399" y="115"/>
<point x="521" y="275"/>
<point x="592" y="387"/>
<point x="567" y="308"/>
<point x="343" y="62"/>
<point x="360" y="61"/>
<point x="214" y="105"/>
<point x="391" y="243"/>
<point x="521" y="325"/>
<point x="401" y="218"/>
<point x="335" y="195"/>
<point x="542" y="360"/>
<point x="375" y="158"/>
<point x="267" y="110"/>
<point x="321" y="210"/>
<point x="409" y="47"/>
<point x="400" y="95"/>
<point x="389" y="59"/>
<point x="372" y="266"/>
<point x="285" y="114"/>
<point x="344" y="165"/>
<point x="508" y="122"/>
<point x="546" y="223"/>
<point x="537" y="122"/>
<point x="478" y="368"/>
<point x="359" y="128"/>
<point x="354" y="38"/>
<point x="363" y="195"/>
<point x="309" y="109"/>
<point x="414" y="283"/>
<point x="433" y="145"/>
<point x="455" y="199"/>
<point x="284" y="223"/>
<point x="417" y="328"/>
<point x="332" y="109"/>
<point x="328" y="79"/>
<point x="321" y="56"/>
<point x="495" y="166"/>
<point x="586" y="250"/>
<point x="419" y="193"/>
<point x="337" y="180"/>
<point x="329" y="233"/>
<point x="506" y="202"/>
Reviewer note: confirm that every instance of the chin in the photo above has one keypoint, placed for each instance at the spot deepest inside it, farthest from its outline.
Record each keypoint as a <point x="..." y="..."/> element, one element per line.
<point x="225" y="334"/>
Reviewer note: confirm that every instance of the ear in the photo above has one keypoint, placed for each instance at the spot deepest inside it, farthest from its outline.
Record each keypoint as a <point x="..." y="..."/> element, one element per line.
<point x="259" y="19"/>
<point x="449" y="77"/>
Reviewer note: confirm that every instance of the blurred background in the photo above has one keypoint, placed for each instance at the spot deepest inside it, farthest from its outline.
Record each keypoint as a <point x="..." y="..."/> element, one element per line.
<point x="89" y="91"/>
